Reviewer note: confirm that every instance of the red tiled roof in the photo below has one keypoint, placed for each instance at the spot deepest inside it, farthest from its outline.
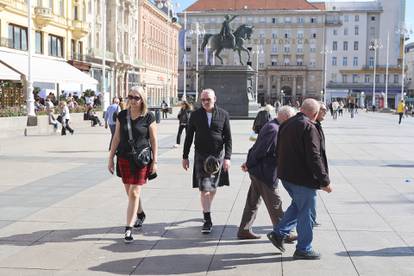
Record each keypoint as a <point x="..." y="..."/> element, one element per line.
<point x="224" y="5"/>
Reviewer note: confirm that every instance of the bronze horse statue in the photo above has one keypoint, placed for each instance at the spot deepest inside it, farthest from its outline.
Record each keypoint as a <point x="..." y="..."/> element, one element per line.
<point x="217" y="44"/>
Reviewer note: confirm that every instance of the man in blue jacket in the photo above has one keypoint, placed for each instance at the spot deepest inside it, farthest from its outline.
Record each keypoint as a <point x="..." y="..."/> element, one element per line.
<point x="261" y="165"/>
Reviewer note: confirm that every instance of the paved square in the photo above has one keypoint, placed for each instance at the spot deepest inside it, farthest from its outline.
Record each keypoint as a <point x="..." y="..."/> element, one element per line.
<point x="62" y="213"/>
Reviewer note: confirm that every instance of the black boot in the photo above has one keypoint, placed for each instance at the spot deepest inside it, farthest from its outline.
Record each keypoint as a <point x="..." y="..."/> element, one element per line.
<point x="208" y="225"/>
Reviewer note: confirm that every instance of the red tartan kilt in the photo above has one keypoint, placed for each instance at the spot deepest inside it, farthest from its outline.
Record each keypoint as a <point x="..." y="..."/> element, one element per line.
<point x="139" y="178"/>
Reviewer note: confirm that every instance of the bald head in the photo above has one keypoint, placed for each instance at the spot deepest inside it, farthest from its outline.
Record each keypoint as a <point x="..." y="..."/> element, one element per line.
<point x="208" y="99"/>
<point x="310" y="107"/>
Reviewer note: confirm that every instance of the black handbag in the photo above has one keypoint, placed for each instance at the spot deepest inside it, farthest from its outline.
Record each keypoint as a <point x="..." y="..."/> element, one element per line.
<point x="141" y="156"/>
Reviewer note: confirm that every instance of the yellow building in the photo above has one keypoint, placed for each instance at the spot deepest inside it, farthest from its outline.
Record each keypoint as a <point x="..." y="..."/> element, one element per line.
<point x="58" y="35"/>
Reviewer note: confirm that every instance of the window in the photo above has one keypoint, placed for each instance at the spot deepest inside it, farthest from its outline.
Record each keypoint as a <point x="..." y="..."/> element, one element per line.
<point x="344" y="78"/>
<point x="188" y="49"/>
<point x="17" y="37"/>
<point x="51" y="4"/>
<point x="274" y="49"/>
<point x="345" y="45"/>
<point x="313" y="49"/>
<point x="55" y="46"/>
<point x="355" y="61"/>
<point x="345" y="61"/>
<point x="373" y="18"/>
<point x="371" y="62"/>
<point x="76" y="12"/>
<point x="287" y="20"/>
<point x="335" y="32"/>
<point x="274" y="20"/>
<point x="312" y="63"/>
<point x="299" y="49"/>
<point x="314" y="20"/>
<point x="334" y="61"/>
<point x="346" y="31"/>
<point x="355" y="78"/>
<point x="396" y="78"/>
<point x="314" y="35"/>
<point x="62" y="7"/>
<point x="367" y="78"/>
<point x="301" y="20"/>
<point x="334" y="46"/>
<point x="73" y="49"/>
<point x="286" y="35"/>
<point x="274" y="35"/>
<point x="39" y="42"/>
<point x="356" y="45"/>
<point x="300" y="35"/>
<point x="372" y="31"/>
<point x="287" y="49"/>
<point x="377" y="78"/>
<point x="356" y="30"/>
<point x="346" y="18"/>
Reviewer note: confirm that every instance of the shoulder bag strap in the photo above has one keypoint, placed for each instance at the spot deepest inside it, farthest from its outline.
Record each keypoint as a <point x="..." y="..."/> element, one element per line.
<point x="130" y="140"/>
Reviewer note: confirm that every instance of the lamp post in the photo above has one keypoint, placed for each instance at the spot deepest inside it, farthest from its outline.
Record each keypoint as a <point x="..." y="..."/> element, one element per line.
<point x="404" y="31"/>
<point x="282" y="96"/>
<point x="374" y="46"/>
<point x="325" y="53"/>
<point x="259" y="51"/>
<point x="29" y="84"/>
<point x="198" y="30"/>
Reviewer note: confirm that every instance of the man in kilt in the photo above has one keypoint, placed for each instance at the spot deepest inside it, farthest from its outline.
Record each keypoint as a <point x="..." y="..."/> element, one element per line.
<point x="209" y="126"/>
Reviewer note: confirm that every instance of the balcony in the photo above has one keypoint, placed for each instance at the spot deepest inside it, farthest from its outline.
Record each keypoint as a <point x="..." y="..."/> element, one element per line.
<point x="79" y="29"/>
<point x="43" y="16"/>
<point x="6" y="42"/>
<point x="287" y="67"/>
<point x="16" y="4"/>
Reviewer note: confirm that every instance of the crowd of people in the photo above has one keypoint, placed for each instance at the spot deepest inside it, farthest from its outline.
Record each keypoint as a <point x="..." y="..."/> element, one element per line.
<point x="289" y="152"/>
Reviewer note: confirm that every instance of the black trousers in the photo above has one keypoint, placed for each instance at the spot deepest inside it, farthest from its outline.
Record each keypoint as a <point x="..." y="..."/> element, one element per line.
<point x="180" y="130"/>
<point x="65" y="127"/>
<point x="401" y="115"/>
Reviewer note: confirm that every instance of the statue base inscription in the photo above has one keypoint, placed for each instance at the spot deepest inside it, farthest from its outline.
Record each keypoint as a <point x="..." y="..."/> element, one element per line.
<point x="234" y="86"/>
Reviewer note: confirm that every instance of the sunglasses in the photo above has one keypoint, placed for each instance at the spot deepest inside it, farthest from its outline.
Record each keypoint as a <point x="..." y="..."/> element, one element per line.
<point x="137" y="98"/>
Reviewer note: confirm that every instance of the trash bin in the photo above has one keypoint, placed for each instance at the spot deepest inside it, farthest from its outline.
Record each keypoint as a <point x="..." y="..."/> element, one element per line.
<point x="157" y="116"/>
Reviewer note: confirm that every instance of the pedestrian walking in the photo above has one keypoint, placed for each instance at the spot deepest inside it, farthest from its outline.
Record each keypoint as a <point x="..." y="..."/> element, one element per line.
<point x="183" y="118"/>
<point x="164" y="109"/>
<point x="110" y="117"/>
<point x="301" y="168"/>
<point x="135" y="133"/>
<point x="400" y="110"/>
<point x="321" y="116"/>
<point x="213" y="145"/>
<point x="261" y="165"/>
<point x="262" y="117"/>
<point x="64" y="118"/>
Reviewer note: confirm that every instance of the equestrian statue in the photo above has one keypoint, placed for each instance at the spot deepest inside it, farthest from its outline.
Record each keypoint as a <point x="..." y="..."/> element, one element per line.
<point x="228" y="39"/>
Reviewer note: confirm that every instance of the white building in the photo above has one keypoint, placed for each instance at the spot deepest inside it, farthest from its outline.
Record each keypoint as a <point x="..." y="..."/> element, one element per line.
<point x="351" y="28"/>
<point x="409" y="59"/>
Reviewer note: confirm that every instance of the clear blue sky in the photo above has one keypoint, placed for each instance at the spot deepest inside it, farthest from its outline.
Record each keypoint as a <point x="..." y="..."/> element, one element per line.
<point x="409" y="17"/>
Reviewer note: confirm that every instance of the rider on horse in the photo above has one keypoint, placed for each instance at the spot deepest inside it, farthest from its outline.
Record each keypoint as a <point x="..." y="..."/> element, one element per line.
<point x="226" y="32"/>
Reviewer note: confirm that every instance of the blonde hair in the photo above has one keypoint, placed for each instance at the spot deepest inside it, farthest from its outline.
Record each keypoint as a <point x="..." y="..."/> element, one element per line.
<point x="140" y="91"/>
<point x="63" y="103"/>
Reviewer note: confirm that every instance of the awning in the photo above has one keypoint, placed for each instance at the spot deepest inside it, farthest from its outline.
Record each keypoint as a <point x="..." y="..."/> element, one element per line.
<point x="8" y="74"/>
<point x="46" y="69"/>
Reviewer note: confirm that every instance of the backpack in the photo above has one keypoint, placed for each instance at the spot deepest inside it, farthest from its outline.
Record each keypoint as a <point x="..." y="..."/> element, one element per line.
<point x="261" y="119"/>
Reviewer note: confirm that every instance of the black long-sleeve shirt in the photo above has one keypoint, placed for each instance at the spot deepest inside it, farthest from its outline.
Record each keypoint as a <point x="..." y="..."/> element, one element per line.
<point x="209" y="140"/>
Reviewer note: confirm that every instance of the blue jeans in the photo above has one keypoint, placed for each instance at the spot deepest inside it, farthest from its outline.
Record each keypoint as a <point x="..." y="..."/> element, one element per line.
<point x="298" y="214"/>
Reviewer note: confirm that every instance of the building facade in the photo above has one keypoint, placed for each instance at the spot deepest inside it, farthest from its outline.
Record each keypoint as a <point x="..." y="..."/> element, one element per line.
<point x="285" y="46"/>
<point x="409" y="58"/>
<point x="158" y="52"/>
<point x="353" y="28"/>
<point x="58" y="34"/>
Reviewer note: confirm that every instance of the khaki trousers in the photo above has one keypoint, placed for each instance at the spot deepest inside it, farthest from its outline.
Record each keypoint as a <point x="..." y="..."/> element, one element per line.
<point x="272" y="200"/>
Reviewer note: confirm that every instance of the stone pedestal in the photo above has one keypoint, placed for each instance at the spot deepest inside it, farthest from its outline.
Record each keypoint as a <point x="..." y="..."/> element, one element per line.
<point x="234" y="86"/>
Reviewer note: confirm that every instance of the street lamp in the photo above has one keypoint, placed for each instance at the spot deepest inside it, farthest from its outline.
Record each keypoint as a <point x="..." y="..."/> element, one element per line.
<point x="259" y="51"/>
<point x="198" y="30"/>
<point x="374" y="46"/>
<point x="403" y="31"/>
<point x="29" y="84"/>
<point x="282" y="95"/>
<point x="325" y="53"/>
<point x="323" y="97"/>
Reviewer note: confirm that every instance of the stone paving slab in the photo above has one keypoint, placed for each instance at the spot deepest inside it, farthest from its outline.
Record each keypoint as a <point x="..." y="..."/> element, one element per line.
<point x="61" y="213"/>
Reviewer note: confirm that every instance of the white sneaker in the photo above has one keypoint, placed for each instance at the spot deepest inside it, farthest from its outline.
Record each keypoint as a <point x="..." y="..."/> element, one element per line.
<point x="176" y="146"/>
<point x="128" y="236"/>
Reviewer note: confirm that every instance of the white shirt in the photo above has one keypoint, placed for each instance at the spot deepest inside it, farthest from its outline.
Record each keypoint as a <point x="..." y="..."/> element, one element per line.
<point x="209" y="116"/>
<point x="66" y="114"/>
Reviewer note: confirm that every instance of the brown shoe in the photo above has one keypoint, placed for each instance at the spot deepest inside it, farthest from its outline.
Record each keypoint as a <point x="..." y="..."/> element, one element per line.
<point x="247" y="235"/>
<point x="291" y="238"/>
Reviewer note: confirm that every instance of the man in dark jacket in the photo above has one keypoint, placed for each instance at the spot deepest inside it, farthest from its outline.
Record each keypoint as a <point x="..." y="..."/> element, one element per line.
<point x="261" y="165"/>
<point x="302" y="170"/>
<point x="211" y="127"/>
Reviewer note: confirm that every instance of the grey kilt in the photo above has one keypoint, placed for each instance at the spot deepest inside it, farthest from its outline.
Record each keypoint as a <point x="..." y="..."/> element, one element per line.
<point x="201" y="179"/>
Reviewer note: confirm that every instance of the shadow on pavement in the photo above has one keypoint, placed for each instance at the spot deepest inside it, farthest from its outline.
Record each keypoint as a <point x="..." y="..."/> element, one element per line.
<point x="186" y="263"/>
<point x="384" y="252"/>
